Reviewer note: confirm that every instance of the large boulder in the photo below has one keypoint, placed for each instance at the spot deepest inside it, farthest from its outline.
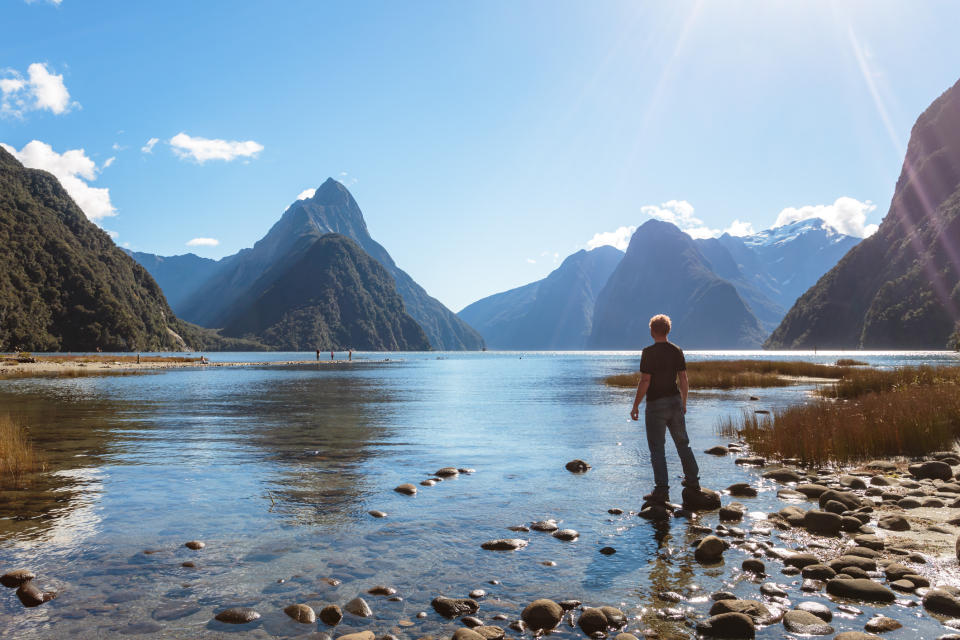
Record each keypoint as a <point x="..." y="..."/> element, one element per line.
<point x="822" y="522"/>
<point x="710" y="550"/>
<point x="943" y="600"/>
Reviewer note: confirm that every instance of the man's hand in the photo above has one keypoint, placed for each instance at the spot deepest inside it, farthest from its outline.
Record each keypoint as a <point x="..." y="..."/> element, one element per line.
<point x="635" y="413"/>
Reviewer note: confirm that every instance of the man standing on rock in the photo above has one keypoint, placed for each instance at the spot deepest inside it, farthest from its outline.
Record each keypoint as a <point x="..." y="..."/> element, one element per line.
<point x="662" y="365"/>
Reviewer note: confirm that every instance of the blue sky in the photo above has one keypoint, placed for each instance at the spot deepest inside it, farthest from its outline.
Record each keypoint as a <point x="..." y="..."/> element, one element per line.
<point x="484" y="141"/>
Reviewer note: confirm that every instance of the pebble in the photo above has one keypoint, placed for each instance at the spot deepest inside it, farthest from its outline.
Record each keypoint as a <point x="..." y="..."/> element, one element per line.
<point x="406" y="488"/>
<point x="447" y="472"/>
<point x="358" y="607"/>
<point x="615" y="511"/>
<point x="477" y="594"/>
<point x="860" y="589"/>
<point x="471" y="621"/>
<point x="818" y="609"/>
<point x="196" y="545"/>
<point x="882" y="624"/>
<point x="742" y="490"/>
<point x="608" y="551"/>
<point x="31" y="596"/>
<point x="755" y="566"/>
<point x="577" y="466"/>
<point x="381" y="590"/>
<point x="359" y="635"/>
<point x="805" y="623"/>
<point x="710" y="550"/>
<point x="301" y="613"/>
<point x="718" y="450"/>
<point x="544" y="525"/>
<point x="238" y="615"/>
<point x="504" y="544"/>
<point x="727" y="625"/>
<point x="566" y="534"/>
<point x="377" y="514"/>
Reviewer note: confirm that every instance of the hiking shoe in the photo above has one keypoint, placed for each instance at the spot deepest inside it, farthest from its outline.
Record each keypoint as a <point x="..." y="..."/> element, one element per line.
<point x="659" y="495"/>
<point x="693" y="485"/>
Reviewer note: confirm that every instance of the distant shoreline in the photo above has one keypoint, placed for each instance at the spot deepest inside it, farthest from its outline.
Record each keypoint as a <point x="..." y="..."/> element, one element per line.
<point x="56" y="365"/>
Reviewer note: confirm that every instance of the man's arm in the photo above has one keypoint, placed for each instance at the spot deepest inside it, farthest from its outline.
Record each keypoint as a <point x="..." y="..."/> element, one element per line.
<point x="684" y="388"/>
<point x="641" y="391"/>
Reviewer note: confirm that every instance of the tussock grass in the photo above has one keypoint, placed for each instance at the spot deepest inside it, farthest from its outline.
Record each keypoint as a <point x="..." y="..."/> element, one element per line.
<point x="859" y="382"/>
<point x="18" y="458"/>
<point x="850" y="362"/>
<point x="911" y="420"/>
<point x="736" y="374"/>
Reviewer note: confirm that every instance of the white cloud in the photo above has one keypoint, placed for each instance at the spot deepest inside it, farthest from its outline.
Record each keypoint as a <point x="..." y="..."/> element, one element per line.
<point x="113" y="234"/>
<point x="846" y="215"/>
<point x="531" y="261"/>
<point x="40" y="90"/>
<point x="73" y="169"/>
<point x="619" y="238"/>
<point x="203" y="149"/>
<point x="740" y="228"/>
<point x="148" y="147"/>
<point x="203" y="242"/>
<point x="109" y="162"/>
<point x="306" y="193"/>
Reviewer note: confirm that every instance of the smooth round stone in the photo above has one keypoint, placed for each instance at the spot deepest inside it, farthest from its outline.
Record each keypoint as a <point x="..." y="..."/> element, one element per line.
<point x="471" y="621"/>
<point x="811" y="490"/>
<point x="823" y="522"/>
<point x="359" y="635"/>
<point x="577" y="466"/>
<point x="615" y="617"/>
<point x="855" y="635"/>
<point x="756" y="610"/>
<point x="818" y="609"/>
<point x="727" y="625"/>
<point x="882" y="624"/>
<point x="429" y="482"/>
<point x="810" y="585"/>
<point x="447" y="472"/>
<point x="406" y="489"/>
<point x="542" y="614"/>
<point x="358" y="607"/>
<point x="943" y="600"/>
<point x="790" y="494"/>
<point x="841" y="563"/>
<point x="331" y="615"/>
<point x="860" y="589"/>
<point x="196" y="545"/>
<point x="710" y="550"/>
<point x="568" y="535"/>
<point x="570" y="605"/>
<point x="805" y="623"/>
<point x="301" y="613"/>
<point x="718" y="450"/>
<point x="490" y="632"/>
<point x="818" y="572"/>
<point x="801" y="560"/>
<point x="13" y="579"/>
<point x="549" y="526"/>
<point x="742" y="490"/>
<point x="238" y="615"/>
<point x="752" y="565"/>
<point x="592" y="620"/>
<point x="31" y="596"/>
<point x="454" y="607"/>
<point x="772" y="589"/>
<point x="504" y="544"/>
<point x="894" y="523"/>
<point x="608" y="551"/>
<point x="908" y="503"/>
<point x="852" y="482"/>
<point x="476" y="594"/>
<point x="377" y="514"/>
<point x="917" y="580"/>
<point x="615" y="511"/>
<point x="520" y="528"/>
<point x="869" y="541"/>
<point x="381" y="590"/>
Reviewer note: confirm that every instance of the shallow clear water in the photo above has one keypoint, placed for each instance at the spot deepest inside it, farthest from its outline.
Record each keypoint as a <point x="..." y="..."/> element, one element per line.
<point x="275" y="469"/>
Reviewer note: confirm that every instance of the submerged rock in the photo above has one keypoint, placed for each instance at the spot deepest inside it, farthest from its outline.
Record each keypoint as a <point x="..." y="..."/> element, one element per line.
<point x="742" y="490"/>
<point x="504" y="544"/>
<point x="196" y="545"/>
<point x="718" y="450"/>
<point x="805" y="623"/>
<point x="860" y="589"/>
<point x="406" y="488"/>
<point x="13" y="579"/>
<point x="377" y="514"/>
<point x="566" y="534"/>
<point x="359" y="607"/>
<point x="237" y="615"/>
<point x="700" y="499"/>
<point x="31" y="596"/>
<point x="454" y="607"/>
<point x="447" y="472"/>
<point x="710" y="550"/>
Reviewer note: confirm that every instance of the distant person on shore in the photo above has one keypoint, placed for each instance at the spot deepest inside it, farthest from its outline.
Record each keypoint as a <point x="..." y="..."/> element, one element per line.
<point x="662" y="367"/>
<point x="331" y="354"/>
<point x="318" y="355"/>
<point x="350" y="355"/>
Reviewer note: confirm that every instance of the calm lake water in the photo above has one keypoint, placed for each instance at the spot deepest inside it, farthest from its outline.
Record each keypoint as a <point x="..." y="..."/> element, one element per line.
<point x="275" y="469"/>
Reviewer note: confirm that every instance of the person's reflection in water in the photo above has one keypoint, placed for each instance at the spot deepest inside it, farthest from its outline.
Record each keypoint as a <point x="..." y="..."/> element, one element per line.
<point x="669" y="568"/>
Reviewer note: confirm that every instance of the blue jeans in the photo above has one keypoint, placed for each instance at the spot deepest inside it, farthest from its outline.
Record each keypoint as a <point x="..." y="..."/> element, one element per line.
<point x="662" y="414"/>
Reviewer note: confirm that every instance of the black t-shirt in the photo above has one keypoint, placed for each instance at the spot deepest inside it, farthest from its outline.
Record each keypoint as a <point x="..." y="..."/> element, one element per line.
<point x="662" y="360"/>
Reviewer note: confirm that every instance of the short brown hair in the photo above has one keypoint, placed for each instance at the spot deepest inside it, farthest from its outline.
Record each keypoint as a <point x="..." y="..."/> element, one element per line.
<point x="660" y="324"/>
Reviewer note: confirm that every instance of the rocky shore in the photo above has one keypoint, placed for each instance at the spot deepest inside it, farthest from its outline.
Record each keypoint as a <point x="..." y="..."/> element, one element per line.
<point x="851" y="554"/>
<point x="44" y="367"/>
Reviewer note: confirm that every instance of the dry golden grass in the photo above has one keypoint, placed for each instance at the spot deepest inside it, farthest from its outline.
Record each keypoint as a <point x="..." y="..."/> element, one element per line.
<point x="858" y="382"/>
<point x="908" y="421"/>
<point x="737" y="374"/>
<point x="850" y="362"/>
<point x="18" y="458"/>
